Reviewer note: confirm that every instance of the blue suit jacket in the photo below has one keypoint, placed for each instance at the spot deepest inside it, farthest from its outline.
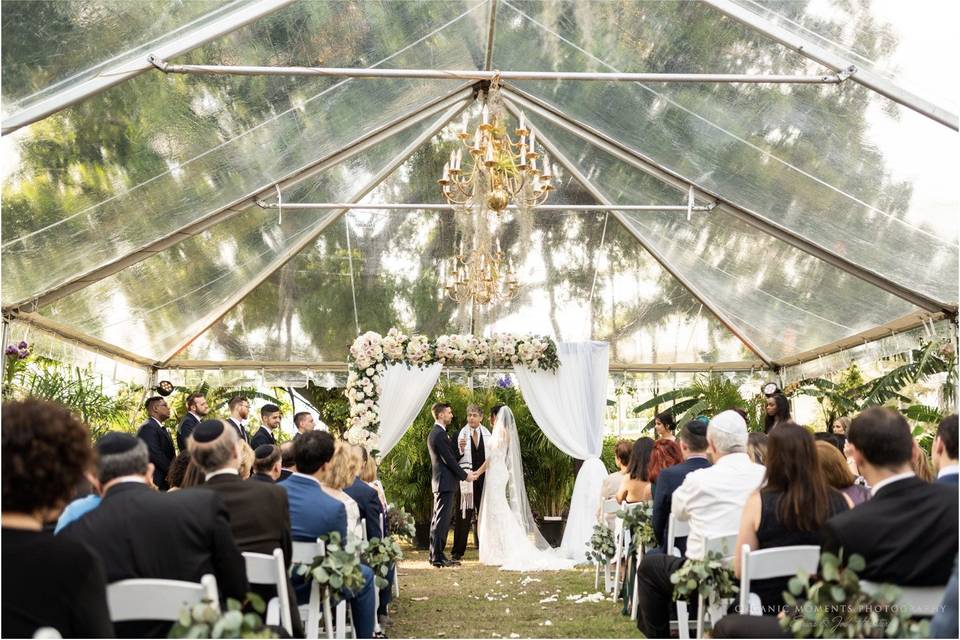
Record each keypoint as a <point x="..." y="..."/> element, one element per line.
<point x="371" y="509"/>
<point x="667" y="482"/>
<point x="313" y="513"/>
<point x="950" y="478"/>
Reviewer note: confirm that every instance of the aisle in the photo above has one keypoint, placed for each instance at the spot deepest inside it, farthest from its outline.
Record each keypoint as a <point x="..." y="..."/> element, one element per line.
<point x="474" y="601"/>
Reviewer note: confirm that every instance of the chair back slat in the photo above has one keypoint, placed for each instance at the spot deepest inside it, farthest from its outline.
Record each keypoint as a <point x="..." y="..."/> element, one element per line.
<point x="155" y="599"/>
<point x="921" y="602"/>
<point x="724" y="544"/>
<point x="261" y="568"/>
<point x="305" y="552"/>
<point x="610" y="506"/>
<point x="676" y="529"/>
<point x="777" y="562"/>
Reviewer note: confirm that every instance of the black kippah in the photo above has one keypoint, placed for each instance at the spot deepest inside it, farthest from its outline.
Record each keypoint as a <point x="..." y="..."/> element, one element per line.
<point x="263" y="451"/>
<point x="116" y="442"/>
<point x="697" y="427"/>
<point x="208" y="431"/>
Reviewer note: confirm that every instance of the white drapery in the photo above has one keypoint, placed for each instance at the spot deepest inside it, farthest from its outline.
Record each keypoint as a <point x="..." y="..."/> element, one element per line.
<point x="568" y="406"/>
<point x="404" y="390"/>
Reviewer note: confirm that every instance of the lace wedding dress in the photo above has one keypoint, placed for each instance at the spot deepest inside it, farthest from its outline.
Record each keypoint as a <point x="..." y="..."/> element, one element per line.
<point x="509" y="537"/>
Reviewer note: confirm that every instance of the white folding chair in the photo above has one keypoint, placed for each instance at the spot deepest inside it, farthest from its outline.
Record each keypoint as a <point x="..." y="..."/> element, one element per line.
<point x="725" y="545"/>
<point x="920" y="602"/>
<point x="376" y="592"/>
<point x="777" y="562"/>
<point x="623" y="546"/>
<point x="304" y="553"/>
<point x="156" y="599"/>
<point x="608" y="513"/>
<point x="269" y="569"/>
<point x="396" y="570"/>
<point x="46" y="633"/>
<point x="679" y="529"/>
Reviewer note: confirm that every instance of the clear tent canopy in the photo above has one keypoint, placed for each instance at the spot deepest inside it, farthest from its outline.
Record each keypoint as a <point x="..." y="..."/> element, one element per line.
<point x="133" y="224"/>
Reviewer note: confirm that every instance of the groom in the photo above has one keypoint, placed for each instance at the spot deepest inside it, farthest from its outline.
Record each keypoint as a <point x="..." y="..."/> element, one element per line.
<point x="446" y="474"/>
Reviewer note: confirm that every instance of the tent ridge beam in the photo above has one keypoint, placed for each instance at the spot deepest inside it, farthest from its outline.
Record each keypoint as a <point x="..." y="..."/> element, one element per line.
<point x="290" y="252"/>
<point x="199" y="225"/>
<point x="129" y="68"/>
<point x="321" y="366"/>
<point x="643" y="163"/>
<point x="870" y="79"/>
<point x="657" y="255"/>
<point x="489" y="75"/>
<point x="448" y="207"/>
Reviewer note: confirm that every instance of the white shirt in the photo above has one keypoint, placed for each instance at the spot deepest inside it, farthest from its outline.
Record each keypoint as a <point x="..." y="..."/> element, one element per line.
<point x="220" y="472"/>
<point x="467" y="455"/>
<point x="712" y="499"/>
<point x="891" y="480"/>
<point x="160" y="424"/>
<point x="950" y="470"/>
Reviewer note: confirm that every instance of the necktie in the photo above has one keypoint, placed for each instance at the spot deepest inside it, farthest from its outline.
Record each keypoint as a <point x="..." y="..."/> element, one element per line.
<point x="476" y="437"/>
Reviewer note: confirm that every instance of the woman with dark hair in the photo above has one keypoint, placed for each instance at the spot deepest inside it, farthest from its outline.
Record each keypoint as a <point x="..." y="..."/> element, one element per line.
<point x="177" y="470"/>
<point x="790" y="507"/>
<point x="666" y="453"/>
<point x="636" y="483"/>
<point x="777" y="410"/>
<point x="48" y="581"/>
<point x="664" y="426"/>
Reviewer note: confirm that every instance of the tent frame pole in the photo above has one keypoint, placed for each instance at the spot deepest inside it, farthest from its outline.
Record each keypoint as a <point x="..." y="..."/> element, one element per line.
<point x="384" y="206"/>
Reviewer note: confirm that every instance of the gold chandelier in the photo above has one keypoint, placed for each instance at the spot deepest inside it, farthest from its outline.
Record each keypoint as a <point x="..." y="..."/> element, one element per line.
<point x="479" y="276"/>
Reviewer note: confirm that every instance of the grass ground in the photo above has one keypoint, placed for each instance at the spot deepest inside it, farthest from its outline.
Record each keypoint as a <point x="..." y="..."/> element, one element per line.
<point x="476" y="601"/>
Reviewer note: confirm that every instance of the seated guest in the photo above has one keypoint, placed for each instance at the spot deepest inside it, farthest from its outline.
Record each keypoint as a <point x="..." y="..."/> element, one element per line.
<point x="789" y="509"/>
<point x="47" y="581"/>
<point x="611" y="484"/>
<point x="635" y="486"/>
<point x="178" y="470"/>
<point x="944" y="623"/>
<point x="906" y="533"/>
<point x="259" y="516"/>
<point x="142" y="533"/>
<point x="711" y="500"/>
<point x="945" y="451"/>
<point x="88" y="499"/>
<point x="247" y="458"/>
<point x="269" y="420"/>
<point x="287" y="462"/>
<point x="664" y="426"/>
<point x="315" y="513"/>
<point x="369" y="475"/>
<point x="920" y="463"/>
<point x="340" y="474"/>
<point x="757" y="447"/>
<point x="693" y="447"/>
<point x="266" y="466"/>
<point x="159" y="442"/>
<point x="665" y="454"/>
<point x="837" y="474"/>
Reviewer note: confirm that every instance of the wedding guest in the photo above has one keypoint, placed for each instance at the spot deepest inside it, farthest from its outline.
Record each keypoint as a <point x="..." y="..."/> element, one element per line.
<point x="340" y="473"/>
<point x="945" y="451"/>
<point x="135" y="528"/>
<point x="47" y="580"/>
<point x="945" y="623"/>
<point x="259" y="515"/>
<point x="158" y="440"/>
<point x="178" y="470"/>
<point x="829" y="438"/>
<point x="86" y="499"/>
<point x="840" y="426"/>
<point x="693" y="447"/>
<point x="777" y="410"/>
<point x="665" y="454"/>
<point x="837" y="474"/>
<point x="635" y="486"/>
<point x="314" y="513"/>
<point x="304" y="423"/>
<point x="269" y="420"/>
<point x="288" y="464"/>
<point x="664" y="426"/>
<point x="239" y="408"/>
<point x="921" y="464"/>
<point x="197" y="408"/>
<point x="266" y="466"/>
<point x="247" y="458"/>
<point x="611" y="484"/>
<point x="369" y="475"/>
<point x="757" y="447"/>
<point x="192" y="476"/>
<point x="711" y="500"/>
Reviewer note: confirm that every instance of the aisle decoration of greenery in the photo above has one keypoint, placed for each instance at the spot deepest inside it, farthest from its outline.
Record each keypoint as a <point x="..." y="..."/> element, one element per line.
<point x="338" y="568"/>
<point x="835" y="606"/>
<point x="205" y="620"/>
<point x="602" y="547"/>
<point x="370" y="354"/>
<point x="711" y="577"/>
<point x="380" y="555"/>
<point x="400" y="522"/>
<point x="639" y="521"/>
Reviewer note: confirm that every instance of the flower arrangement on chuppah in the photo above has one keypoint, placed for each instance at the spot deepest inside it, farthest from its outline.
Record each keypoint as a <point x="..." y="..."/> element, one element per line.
<point x="370" y="354"/>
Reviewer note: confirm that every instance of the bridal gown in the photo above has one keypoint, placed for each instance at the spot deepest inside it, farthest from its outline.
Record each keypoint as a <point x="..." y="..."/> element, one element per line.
<point x="504" y="541"/>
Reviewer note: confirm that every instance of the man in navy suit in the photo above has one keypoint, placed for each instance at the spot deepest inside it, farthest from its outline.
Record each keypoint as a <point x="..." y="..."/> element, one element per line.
<point x="314" y="513"/>
<point x="945" y="451"/>
<point x="693" y="445"/>
<point x="159" y="442"/>
<point x="196" y="409"/>
<point x="446" y="475"/>
<point x="269" y="420"/>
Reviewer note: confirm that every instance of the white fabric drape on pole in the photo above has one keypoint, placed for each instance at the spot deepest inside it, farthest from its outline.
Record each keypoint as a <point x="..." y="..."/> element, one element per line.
<point x="568" y="406"/>
<point x="403" y="392"/>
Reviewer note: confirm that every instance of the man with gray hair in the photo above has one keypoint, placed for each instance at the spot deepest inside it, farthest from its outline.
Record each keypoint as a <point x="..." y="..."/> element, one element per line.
<point x="711" y="500"/>
<point x="141" y="533"/>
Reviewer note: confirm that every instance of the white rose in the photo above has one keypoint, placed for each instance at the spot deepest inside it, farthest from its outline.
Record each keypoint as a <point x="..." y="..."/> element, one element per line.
<point x="359" y="395"/>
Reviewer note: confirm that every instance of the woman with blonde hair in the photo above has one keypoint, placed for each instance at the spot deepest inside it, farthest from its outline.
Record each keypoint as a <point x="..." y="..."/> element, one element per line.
<point x="368" y="473"/>
<point x="340" y="473"/>
<point x="921" y="464"/>
<point x="247" y="458"/>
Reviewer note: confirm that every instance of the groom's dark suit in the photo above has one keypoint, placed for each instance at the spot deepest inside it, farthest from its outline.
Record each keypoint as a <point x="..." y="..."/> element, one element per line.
<point x="446" y="473"/>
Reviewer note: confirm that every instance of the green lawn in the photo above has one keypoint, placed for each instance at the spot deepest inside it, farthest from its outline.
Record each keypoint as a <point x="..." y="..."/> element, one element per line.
<point x="475" y="601"/>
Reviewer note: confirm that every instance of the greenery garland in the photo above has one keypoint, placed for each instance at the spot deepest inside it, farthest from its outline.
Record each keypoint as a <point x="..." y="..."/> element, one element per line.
<point x="337" y="568"/>
<point x="639" y="521"/>
<point x="381" y="556"/>
<point x="205" y="620"/>
<point x="602" y="547"/>
<point x="711" y="577"/>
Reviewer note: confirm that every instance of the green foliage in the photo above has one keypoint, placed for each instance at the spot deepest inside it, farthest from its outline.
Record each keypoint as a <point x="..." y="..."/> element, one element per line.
<point x="339" y="566"/>
<point x="381" y="555"/>
<point x="401" y="523"/>
<point x="332" y="406"/>
<point x="205" y="620"/>
<point x="835" y="606"/>
<point x="711" y="577"/>
<point x="609" y="453"/>
<point x="639" y="521"/>
<point x="602" y="547"/>
<point x="708" y="395"/>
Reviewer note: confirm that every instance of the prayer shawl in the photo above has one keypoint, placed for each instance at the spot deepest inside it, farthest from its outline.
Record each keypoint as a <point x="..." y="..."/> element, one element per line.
<point x="466" y="463"/>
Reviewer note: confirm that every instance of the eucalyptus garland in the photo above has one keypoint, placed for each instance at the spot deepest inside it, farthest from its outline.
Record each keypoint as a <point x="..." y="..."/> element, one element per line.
<point x="205" y="620"/>
<point x="711" y="577"/>
<point x="602" y="547"/>
<point x="639" y="521"/>
<point x="338" y="568"/>
<point x="381" y="556"/>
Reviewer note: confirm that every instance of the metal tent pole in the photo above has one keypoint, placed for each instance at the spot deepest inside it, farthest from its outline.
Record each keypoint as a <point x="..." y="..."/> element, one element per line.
<point x="444" y="207"/>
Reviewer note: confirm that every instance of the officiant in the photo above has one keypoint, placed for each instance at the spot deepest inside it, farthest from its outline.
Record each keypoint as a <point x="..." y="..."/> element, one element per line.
<point x="472" y="448"/>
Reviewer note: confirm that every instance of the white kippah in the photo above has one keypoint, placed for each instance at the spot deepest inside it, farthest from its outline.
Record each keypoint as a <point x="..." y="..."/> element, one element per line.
<point x="729" y="422"/>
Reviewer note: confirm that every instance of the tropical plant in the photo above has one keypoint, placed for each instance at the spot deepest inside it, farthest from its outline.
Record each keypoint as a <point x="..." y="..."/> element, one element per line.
<point x="602" y="547"/>
<point x="706" y="395"/>
<point x="338" y="567"/>
<point x="205" y="620"/>
<point x="381" y="555"/>
<point x="835" y="606"/>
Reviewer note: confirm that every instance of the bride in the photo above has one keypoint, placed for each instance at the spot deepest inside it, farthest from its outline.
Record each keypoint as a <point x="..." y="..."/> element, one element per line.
<point x="509" y="537"/>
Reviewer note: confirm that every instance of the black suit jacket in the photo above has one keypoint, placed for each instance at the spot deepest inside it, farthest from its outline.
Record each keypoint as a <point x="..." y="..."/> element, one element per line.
<point x="907" y="533"/>
<point x="669" y="481"/>
<point x="261" y="437"/>
<point x="259" y="513"/>
<point x="262" y="477"/>
<point x="162" y="453"/>
<point x="241" y="432"/>
<point x="371" y="509"/>
<point x="141" y="533"/>
<point x="187" y="425"/>
<point x="446" y="471"/>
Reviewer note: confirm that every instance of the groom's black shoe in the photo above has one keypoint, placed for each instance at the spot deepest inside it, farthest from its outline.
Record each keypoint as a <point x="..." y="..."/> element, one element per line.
<point x="453" y="563"/>
<point x="439" y="564"/>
